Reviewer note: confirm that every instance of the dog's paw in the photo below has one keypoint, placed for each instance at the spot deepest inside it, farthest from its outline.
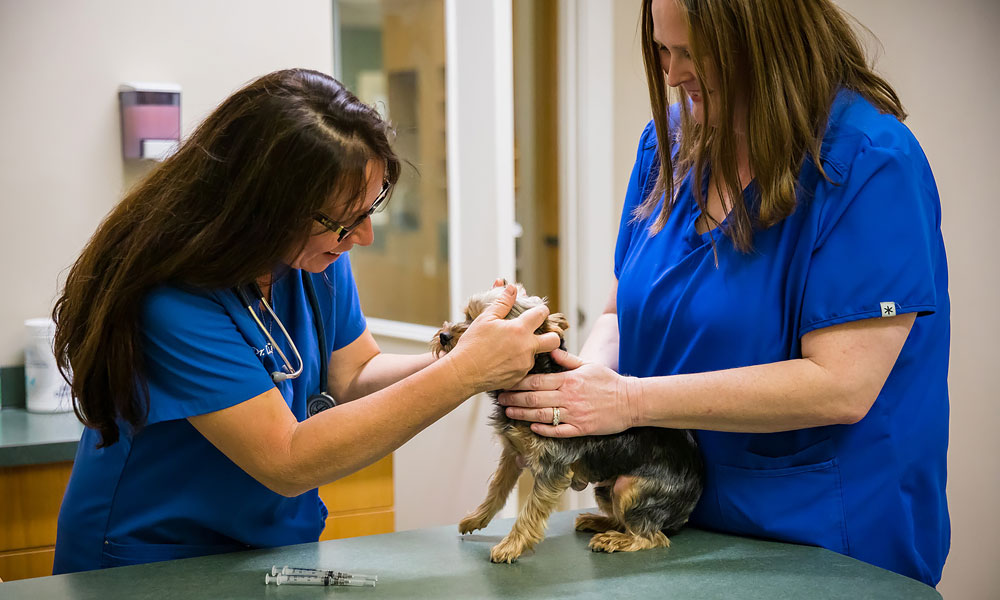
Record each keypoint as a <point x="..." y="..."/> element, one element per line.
<point x="593" y="522"/>
<point x="506" y="551"/>
<point x="472" y="523"/>
<point x="611" y="541"/>
<point x="617" y="541"/>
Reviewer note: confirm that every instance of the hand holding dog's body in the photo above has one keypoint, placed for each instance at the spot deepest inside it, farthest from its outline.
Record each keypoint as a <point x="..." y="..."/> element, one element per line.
<point x="592" y="399"/>
<point x="841" y="372"/>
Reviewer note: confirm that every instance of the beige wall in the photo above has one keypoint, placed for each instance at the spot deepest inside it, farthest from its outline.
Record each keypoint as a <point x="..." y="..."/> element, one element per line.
<point x="631" y="111"/>
<point x="60" y="157"/>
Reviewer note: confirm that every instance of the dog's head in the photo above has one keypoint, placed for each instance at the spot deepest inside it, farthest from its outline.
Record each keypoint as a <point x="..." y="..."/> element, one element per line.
<point x="449" y="334"/>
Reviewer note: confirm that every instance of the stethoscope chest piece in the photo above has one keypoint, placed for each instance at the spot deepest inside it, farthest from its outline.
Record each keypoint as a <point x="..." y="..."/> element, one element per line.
<point x="317" y="403"/>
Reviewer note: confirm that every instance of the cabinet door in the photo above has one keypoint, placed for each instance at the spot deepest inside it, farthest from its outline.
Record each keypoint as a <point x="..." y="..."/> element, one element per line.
<point x="361" y="503"/>
<point x="24" y="564"/>
<point x="31" y="498"/>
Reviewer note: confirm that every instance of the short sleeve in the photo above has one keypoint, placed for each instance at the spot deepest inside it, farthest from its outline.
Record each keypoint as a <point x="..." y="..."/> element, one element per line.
<point x="196" y="360"/>
<point x="876" y="242"/>
<point x="638" y="186"/>
<point x="349" y="322"/>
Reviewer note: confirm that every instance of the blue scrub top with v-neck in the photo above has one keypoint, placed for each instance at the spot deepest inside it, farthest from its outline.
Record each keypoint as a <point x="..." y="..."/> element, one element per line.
<point x="864" y="244"/>
<point x="166" y="492"/>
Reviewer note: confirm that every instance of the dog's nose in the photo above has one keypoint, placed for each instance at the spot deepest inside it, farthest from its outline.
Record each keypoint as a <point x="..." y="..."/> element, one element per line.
<point x="445" y="338"/>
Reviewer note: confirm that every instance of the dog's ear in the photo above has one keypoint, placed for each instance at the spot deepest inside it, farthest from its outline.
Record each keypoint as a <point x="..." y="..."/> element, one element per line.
<point x="559" y="320"/>
<point x="474" y="308"/>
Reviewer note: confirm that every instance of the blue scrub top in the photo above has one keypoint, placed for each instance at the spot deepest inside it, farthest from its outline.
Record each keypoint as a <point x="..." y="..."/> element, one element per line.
<point x="166" y="492"/>
<point x="863" y="246"/>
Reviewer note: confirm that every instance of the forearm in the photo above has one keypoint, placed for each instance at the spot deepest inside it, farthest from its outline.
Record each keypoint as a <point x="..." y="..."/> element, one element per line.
<point x="601" y="346"/>
<point x="792" y="394"/>
<point x="384" y="370"/>
<point x="264" y="438"/>
<point x="349" y="437"/>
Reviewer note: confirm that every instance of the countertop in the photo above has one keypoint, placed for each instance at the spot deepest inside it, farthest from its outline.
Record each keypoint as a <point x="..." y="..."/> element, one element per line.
<point x="34" y="438"/>
<point x="439" y="563"/>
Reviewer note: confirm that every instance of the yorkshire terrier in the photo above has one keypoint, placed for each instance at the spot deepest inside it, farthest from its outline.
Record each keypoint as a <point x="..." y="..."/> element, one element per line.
<point x="647" y="480"/>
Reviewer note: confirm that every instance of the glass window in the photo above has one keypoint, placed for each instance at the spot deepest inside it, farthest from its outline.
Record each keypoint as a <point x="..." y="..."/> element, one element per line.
<point x="391" y="54"/>
<point x="536" y="143"/>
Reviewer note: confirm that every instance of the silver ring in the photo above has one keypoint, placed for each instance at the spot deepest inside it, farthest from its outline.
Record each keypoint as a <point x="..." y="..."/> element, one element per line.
<point x="555" y="416"/>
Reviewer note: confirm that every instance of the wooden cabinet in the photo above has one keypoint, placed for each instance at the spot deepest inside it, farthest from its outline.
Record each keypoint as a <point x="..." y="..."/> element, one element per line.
<point x="30" y="496"/>
<point x="360" y="504"/>
<point x="29" y="506"/>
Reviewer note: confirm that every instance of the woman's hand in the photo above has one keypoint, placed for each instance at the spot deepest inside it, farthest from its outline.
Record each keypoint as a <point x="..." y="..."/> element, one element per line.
<point x="494" y="353"/>
<point x="592" y="399"/>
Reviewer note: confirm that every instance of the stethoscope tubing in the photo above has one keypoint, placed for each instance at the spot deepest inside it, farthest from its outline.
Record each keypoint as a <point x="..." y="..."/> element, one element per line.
<point x="276" y="376"/>
<point x="317" y="402"/>
<point x="324" y="383"/>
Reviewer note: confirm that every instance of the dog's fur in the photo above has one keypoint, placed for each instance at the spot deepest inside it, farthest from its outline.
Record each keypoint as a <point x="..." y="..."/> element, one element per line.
<point x="647" y="479"/>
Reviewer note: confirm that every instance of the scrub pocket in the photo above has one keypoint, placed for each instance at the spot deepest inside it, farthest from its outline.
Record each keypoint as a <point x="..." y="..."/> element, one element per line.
<point x="785" y="498"/>
<point x="120" y="555"/>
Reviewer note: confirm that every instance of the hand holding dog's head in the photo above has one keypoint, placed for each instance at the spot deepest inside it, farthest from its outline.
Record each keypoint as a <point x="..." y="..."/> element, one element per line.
<point x="504" y="302"/>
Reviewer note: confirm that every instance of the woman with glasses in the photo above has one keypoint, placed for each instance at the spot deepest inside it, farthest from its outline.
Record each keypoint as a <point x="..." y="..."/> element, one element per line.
<point x="213" y="317"/>
<point x="781" y="288"/>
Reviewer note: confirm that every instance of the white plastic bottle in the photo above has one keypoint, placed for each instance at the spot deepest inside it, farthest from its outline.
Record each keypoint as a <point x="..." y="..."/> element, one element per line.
<point x="44" y="387"/>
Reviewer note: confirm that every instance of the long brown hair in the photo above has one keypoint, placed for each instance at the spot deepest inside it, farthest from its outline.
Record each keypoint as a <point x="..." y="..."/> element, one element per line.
<point x="234" y="201"/>
<point x="785" y="60"/>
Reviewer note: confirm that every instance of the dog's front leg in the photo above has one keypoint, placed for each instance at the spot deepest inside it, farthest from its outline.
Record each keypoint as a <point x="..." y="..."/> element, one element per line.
<point x="530" y="526"/>
<point x="501" y="484"/>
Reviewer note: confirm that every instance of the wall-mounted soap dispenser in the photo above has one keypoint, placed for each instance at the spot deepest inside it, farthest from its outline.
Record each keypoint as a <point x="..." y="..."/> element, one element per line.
<point x="151" y="119"/>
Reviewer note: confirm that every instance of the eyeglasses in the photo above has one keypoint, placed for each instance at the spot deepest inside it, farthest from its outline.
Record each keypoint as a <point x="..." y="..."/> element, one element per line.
<point x="344" y="231"/>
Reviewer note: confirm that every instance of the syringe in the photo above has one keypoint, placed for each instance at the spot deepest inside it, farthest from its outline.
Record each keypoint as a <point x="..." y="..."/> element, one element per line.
<point x="286" y="570"/>
<point x="315" y="580"/>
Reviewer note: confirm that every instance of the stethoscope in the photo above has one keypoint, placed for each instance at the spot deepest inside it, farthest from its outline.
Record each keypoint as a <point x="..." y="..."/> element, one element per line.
<point x="317" y="402"/>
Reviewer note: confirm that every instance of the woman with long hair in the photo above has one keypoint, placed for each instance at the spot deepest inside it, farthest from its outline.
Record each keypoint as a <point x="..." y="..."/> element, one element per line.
<point x="781" y="288"/>
<point x="213" y="317"/>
